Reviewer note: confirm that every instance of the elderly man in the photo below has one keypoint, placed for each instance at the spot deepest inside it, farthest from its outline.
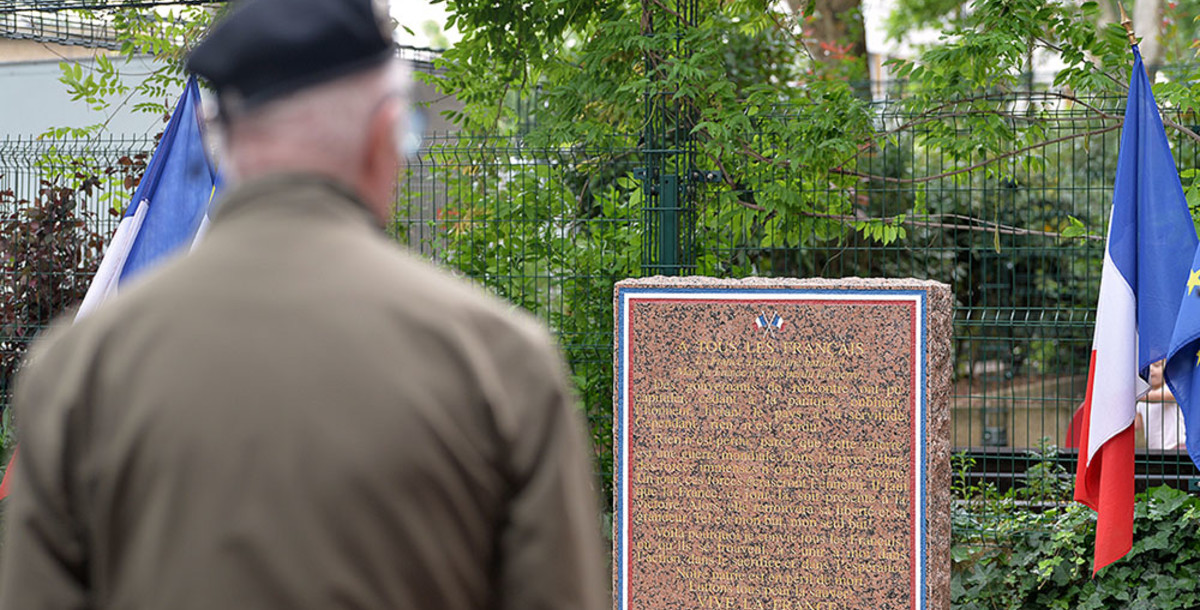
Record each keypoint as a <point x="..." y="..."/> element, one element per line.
<point x="298" y="415"/>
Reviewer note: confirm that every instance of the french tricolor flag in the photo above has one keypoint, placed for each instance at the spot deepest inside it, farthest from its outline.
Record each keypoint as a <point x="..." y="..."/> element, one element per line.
<point x="774" y="322"/>
<point x="168" y="213"/>
<point x="1151" y="240"/>
<point x="169" y="210"/>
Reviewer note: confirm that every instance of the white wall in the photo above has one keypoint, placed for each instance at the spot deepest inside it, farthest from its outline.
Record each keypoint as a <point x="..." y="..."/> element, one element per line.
<point x="32" y="100"/>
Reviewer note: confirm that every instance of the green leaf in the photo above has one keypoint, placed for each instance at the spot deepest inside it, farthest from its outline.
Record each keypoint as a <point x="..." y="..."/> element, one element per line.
<point x="1074" y="228"/>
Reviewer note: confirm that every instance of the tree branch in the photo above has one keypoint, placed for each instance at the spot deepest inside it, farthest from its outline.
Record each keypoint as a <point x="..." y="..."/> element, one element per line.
<point x="932" y="221"/>
<point x="1008" y="115"/>
<point x="974" y="224"/>
<point x="973" y="167"/>
<point x="1184" y="130"/>
<point x="1056" y="94"/>
<point x="790" y="33"/>
<point x="669" y="11"/>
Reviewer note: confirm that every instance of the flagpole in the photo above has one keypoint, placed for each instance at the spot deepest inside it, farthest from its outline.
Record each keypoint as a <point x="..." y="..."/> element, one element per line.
<point x="1127" y="23"/>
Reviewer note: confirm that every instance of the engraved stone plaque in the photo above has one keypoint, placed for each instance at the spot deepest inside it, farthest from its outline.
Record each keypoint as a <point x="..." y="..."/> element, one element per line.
<point x="782" y="444"/>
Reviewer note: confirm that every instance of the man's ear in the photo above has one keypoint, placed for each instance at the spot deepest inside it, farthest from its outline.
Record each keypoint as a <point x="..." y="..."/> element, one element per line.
<point x="380" y="144"/>
<point x="381" y="161"/>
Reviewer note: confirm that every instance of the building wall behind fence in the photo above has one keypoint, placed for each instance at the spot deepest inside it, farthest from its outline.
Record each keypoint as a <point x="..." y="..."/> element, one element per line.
<point x="551" y="230"/>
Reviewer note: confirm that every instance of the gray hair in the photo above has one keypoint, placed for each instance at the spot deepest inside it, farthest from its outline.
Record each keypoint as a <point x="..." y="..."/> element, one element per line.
<point x="321" y="129"/>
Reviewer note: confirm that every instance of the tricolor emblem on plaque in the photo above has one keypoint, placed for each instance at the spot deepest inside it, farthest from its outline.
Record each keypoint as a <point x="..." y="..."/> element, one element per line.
<point x="769" y="324"/>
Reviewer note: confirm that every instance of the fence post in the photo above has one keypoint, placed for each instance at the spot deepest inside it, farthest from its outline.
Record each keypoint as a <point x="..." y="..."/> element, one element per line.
<point x="667" y="146"/>
<point x="668" y="224"/>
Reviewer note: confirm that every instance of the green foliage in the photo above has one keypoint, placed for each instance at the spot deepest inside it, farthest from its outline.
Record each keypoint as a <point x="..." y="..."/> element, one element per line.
<point x="883" y="231"/>
<point x="48" y="252"/>
<point x="95" y="87"/>
<point x="551" y="233"/>
<point x="1176" y="34"/>
<point x="808" y="175"/>
<point x="1003" y="161"/>
<point x="50" y="248"/>
<point x="768" y="119"/>
<point x="913" y="14"/>
<point x="1074" y="228"/>
<point x="1179" y="36"/>
<point x="165" y="35"/>
<point x="1190" y="179"/>
<point x="1005" y="555"/>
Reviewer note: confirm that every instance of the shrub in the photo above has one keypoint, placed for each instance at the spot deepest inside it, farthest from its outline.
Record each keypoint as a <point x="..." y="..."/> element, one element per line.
<point x="1008" y="554"/>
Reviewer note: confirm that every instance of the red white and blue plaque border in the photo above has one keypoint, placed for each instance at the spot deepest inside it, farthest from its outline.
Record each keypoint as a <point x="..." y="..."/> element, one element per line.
<point x="631" y="295"/>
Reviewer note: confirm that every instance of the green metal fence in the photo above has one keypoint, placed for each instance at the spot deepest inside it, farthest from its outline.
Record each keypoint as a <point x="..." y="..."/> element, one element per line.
<point x="56" y="213"/>
<point x="552" y="229"/>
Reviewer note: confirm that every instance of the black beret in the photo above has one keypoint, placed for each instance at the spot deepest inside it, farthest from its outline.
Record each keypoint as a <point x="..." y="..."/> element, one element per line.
<point x="267" y="48"/>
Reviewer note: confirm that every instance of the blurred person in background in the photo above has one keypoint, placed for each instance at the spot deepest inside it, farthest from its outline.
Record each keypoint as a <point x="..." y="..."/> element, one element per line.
<point x="1159" y="420"/>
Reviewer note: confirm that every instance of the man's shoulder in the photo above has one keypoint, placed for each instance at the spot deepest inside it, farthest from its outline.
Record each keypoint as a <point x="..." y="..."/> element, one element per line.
<point x="360" y="273"/>
<point x="463" y="300"/>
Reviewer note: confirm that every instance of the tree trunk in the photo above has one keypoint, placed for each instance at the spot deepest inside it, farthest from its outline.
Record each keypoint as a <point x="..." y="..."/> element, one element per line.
<point x="1147" y="22"/>
<point x="838" y="31"/>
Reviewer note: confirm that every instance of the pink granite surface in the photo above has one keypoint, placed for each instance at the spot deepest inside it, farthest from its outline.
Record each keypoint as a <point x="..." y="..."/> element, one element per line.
<point x="774" y="466"/>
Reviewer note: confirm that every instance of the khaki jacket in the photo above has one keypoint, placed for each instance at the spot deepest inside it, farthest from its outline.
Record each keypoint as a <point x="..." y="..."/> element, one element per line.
<point x="299" y="415"/>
